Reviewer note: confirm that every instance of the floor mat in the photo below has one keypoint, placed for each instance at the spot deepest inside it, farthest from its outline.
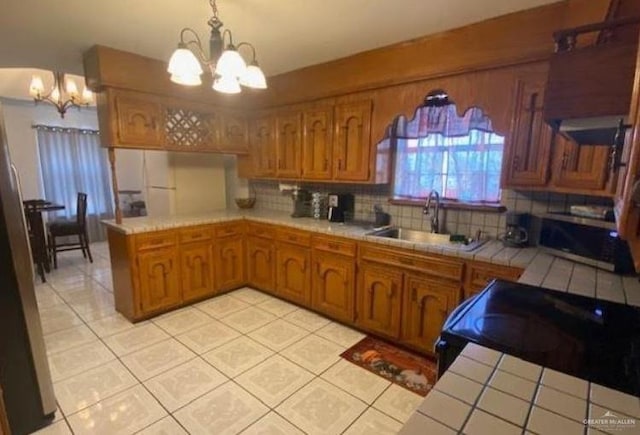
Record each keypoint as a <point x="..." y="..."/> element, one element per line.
<point x="411" y="371"/>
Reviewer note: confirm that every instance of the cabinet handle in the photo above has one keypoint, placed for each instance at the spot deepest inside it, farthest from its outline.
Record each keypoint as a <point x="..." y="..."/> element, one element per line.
<point x="406" y="261"/>
<point x="565" y="158"/>
<point x="333" y="246"/>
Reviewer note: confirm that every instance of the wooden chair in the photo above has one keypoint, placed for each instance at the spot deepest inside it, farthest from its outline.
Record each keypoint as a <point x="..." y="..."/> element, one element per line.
<point x="37" y="239"/>
<point x="71" y="228"/>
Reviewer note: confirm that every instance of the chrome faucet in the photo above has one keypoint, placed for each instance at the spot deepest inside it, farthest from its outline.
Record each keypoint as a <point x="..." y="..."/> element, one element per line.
<point x="434" y="218"/>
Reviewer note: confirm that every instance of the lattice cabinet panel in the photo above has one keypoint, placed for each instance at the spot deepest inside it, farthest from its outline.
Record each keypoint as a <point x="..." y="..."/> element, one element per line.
<point x="189" y="130"/>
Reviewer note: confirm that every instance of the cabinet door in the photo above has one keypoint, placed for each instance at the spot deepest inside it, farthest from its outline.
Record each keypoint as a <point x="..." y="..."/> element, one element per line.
<point x="263" y="148"/>
<point x="317" y="144"/>
<point x="196" y="261"/>
<point x="334" y="285"/>
<point x="140" y="122"/>
<point x="351" y="144"/>
<point x="289" y="144"/>
<point x="527" y="153"/>
<point x="234" y="133"/>
<point x="580" y="168"/>
<point x="229" y="262"/>
<point x="158" y="276"/>
<point x="427" y="303"/>
<point x="293" y="272"/>
<point x="379" y="300"/>
<point x="260" y="264"/>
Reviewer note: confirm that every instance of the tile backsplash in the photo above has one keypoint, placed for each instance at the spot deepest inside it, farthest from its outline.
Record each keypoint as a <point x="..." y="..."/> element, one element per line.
<point x="492" y="224"/>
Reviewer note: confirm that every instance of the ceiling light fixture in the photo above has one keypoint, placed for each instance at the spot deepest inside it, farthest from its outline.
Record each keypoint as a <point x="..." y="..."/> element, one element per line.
<point x="228" y="68"/>
<point x="56" y="94"/>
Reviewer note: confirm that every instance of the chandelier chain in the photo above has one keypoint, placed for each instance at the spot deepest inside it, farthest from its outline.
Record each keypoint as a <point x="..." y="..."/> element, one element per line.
<point x="214" y="8"/>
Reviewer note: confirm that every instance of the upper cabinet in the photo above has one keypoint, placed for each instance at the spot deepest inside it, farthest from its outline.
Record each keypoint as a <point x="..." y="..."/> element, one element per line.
<point x="130" y="119"/>
<point x="324" y="141"/>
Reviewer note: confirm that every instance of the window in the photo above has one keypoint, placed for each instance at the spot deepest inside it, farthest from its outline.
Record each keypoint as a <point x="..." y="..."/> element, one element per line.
<point x="458" y="156"/>
<point x="73" y="161"/>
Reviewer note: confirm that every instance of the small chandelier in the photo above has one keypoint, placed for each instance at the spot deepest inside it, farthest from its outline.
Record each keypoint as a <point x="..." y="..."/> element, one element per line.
<point x="228" y="68"/>
<point x="56" y="94"/>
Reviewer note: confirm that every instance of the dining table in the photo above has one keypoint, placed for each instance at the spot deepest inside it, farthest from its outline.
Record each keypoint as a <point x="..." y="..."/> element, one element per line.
<point x="34" y="208"/>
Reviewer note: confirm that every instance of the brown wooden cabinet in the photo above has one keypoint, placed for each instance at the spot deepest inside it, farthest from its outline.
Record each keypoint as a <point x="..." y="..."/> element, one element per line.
<point x="263" y="146"/>
<point x="289" y="144"/>
<point x="528" y="147"/>
<point x="159" y="279"/>
<point x="333" y="285"/>
<point x="479" y="274"/>
<point x="317" y="144"/>
<point x="379" y="298"/>
<point x="581" y="167"/>
<point x="261" y="271"/>
<point x="197" y="270"/>
<point x="229" y="262"/>
<point x="139" y="120"/>
<point x="234" y="133"/>
<point x="427" y="303"/>
<point x="352" y="141"/>
<point x="293" y="276"/>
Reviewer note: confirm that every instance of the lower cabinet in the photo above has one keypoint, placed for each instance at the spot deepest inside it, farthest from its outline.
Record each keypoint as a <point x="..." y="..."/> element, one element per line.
<point x="261" y="271"/>
<point x="159" y="279"/>
<point x="479" y="274"/>
<point x="333" y="285"/>
<point x="427" y="303"/>
<point x="197" y="270"/>
<point x="229" y="268"/>
<point x="293" y="272"/>
<point x="380" y="299"/>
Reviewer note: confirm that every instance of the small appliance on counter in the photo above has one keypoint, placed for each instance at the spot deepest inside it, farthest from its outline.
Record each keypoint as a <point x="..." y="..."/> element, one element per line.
<point x="341" y="207"/>
<point x="583" y="337"/>
<point x="301" y="203"/>
<point x="590" y="241"/>
<point x="516" y="234"/>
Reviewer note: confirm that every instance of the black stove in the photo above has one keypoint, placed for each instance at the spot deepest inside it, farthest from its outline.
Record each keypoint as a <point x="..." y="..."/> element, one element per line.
<point x="591" y="339"/>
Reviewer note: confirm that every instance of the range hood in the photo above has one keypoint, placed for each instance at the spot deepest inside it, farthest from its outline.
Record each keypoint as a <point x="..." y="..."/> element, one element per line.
<point x="588" y="93"/>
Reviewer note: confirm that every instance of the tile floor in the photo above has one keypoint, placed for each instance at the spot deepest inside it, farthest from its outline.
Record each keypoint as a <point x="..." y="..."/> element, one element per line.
<point x="244" y="363"/>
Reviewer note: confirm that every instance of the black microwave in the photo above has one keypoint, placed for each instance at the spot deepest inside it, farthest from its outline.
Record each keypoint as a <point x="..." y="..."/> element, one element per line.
<point x="589" y="241"/>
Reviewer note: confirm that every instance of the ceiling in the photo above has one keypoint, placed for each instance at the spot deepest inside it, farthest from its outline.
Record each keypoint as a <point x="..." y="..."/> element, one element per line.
<point x="288" y="34"/>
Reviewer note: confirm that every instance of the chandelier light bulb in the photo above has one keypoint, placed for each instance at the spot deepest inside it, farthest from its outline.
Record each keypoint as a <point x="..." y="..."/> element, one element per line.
<point x="87" y="95"/>
<point x="231" y="64"/>
<point x="72" y="89"/>
<point x="186" y="79"/>
<point x="184" y="63"/>
<point x="37" y="86"/>
<point x="227" y="85"/>
<point x="253" y="77"/>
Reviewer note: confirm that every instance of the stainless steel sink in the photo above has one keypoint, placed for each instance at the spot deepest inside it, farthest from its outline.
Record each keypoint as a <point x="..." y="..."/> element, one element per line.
<point x="440" y="240"/>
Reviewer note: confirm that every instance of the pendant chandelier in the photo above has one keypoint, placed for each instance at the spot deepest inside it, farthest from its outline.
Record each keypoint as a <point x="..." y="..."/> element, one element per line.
<point x="228" y="68"/>
<point x="63" y="94"/>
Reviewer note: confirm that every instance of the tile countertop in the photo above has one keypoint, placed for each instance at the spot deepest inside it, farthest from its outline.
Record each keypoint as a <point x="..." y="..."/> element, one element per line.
<point x="541" y="268"/>
<point x="485" y="392"/>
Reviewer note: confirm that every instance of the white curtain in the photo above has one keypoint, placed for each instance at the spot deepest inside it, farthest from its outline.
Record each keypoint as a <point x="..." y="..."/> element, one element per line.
<point x="73" y="161"/>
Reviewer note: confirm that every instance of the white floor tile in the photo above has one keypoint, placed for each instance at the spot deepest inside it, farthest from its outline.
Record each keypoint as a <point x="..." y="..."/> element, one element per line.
<point x="47" y="297"/>
<point x="68" y="338"/>
<point x="374" y="422"/>
<point x="157" y="358"/>
<point x="90" y="387"/>
<point x="248" y="319"/>
<point x="398" y="402"/>
<point x="272" y="424"/>
<point x="58" y="318"/>
<point x="226" y="410"/>
<point x="111" y="325"/>
<point x="314" y="353"/>
<point x="274" y="380"/>
<point x="341" y="335"/>
<point x="125" y="413"/>
<point x="237" y="356"/>
<point x="166" y="426"/>
<point x="278" y="334"/>
<point x="57" y="428"/>
<point x="277" y="307"/>
<point x="135" y="339"/>
<point x="307" y="319"/>
<point x="321" y="408"/>
<point x="208" y="336"/>
<point x="180" y="321"/>
<point x="356" y="381"/>
<point x="221" y="306"/>
<point x="181" y="385"/>
<point x="250" y="296"/>
<point x="79" y="359"/>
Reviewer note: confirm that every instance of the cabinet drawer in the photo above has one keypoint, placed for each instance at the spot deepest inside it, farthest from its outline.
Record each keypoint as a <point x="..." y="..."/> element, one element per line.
<point x="429" y="264"/>
<point x="195" y="234"/>
<point x="297" y="237"/>
<point x="260" y="230"/>
<point x="479" y="274"/>
<point x="335" y="245"/>
<point x="155" y="240"/>
<point x="229" y="229"/>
